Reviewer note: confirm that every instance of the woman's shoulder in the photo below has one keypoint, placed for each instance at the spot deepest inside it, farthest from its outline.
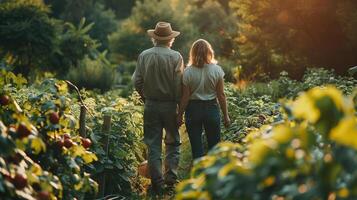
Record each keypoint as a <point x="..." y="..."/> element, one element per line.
<point x="215" y="67"/>
<point x="216" y="70"/>
<point x="189" y="68"/>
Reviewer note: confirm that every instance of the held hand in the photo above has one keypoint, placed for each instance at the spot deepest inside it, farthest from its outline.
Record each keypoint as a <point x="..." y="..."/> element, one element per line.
<point x="227" y="121"/>
<point x="179" y="120"/>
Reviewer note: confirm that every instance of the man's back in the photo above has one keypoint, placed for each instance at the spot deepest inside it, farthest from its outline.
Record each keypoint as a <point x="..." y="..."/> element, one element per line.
<point x="159" y="73"/>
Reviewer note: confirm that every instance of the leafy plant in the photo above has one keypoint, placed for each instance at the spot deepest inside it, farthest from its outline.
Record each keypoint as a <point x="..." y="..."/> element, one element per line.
<point x="44" y="130"/>
<point x="119" y="162"/>
<point x="310" y="155"/>
<point x="27" y="34"/>
<point x="102" y="75"/>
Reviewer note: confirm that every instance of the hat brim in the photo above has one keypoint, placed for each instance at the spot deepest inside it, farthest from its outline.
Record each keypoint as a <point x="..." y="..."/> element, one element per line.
<point x="152" y="34"/>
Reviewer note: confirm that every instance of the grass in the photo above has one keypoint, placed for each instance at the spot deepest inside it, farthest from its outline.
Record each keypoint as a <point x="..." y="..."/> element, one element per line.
<point x="185" y="156"/>
<point x="185" y="164"/>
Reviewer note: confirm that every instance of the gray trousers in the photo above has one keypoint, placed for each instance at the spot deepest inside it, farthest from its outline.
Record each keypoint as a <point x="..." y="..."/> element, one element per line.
<point x="159" y="116"/>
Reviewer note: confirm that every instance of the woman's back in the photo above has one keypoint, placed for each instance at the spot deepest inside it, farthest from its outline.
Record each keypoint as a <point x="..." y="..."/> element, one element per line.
<point x="203" y="81"/>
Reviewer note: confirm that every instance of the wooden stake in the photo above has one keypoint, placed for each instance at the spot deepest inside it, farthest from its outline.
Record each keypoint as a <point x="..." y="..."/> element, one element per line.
<point x="106" y="130"/>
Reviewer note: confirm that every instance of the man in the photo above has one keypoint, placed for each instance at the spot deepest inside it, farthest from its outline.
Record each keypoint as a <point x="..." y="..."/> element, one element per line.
<point x="157" y="79"/>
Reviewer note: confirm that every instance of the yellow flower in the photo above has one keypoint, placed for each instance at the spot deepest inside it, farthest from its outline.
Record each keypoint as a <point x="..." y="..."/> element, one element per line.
<point x="343" y="193"/>
<point x="227" y="168"/>
<point x="259" y="149"/>
<point x="199" y="181"/>
<point x="38" y="145"/>
<point x="253" y="135"/>
<point x="345" y="132"/>
<point x="304" y="108"/>
<point x="269" y="181"/>
<point x="187" y="195"/>
<point x="290" y="153"/>
<point x="282" y="134"/>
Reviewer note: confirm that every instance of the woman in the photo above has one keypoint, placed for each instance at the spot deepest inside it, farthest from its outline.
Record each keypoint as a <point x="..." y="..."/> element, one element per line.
<point x="202" y="86"/>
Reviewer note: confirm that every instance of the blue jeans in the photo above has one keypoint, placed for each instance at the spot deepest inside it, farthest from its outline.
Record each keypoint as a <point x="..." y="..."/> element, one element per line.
<point x="201" y="115"/>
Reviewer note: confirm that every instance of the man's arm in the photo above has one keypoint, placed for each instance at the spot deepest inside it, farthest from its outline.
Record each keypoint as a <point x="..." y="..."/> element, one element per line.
<point x="178" y="78"/>
<point x="186" y="93"/>
<point x="138" y="78"/>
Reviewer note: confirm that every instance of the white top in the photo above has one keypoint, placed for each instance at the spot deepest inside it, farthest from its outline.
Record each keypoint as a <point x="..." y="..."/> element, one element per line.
<point x="203" y="81"/>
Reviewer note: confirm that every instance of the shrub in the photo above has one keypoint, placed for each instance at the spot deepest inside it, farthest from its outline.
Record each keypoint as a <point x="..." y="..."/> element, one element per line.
<point x="258" y="103"/>
<point x="125" y="147"/>
<point x="92" y="74"/>
<point x="310" y="155"/>
<point x="131" y="37"/>
<point x="27" y="34"/>
<point x="41" y="138"/>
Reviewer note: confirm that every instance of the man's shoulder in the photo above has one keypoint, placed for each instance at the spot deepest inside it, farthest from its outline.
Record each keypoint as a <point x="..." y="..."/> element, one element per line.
<point x="146" y="51"/>
<point x="174" y="52"/>
<point x="167" y="51"/>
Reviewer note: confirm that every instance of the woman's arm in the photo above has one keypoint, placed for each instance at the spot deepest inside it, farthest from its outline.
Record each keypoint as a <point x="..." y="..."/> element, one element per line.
<point x="186" y="93"/>
<point x="222" y="101"/>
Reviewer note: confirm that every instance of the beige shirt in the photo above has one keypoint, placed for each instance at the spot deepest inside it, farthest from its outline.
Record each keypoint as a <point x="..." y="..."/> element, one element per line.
<point x="203" y="81"/>
<point x="158" y="74"/>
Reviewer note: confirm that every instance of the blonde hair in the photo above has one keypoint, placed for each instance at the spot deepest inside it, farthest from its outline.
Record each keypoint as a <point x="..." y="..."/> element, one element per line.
<point x="201" y="53"/>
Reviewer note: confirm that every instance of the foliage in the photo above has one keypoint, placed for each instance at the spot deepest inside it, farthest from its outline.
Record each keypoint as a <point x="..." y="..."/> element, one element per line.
<point x="124" y="149"/>
<point x="258" y="103"/>
<point x="75" y="165"/>
<point x="310" y="155"/>
<point x="121" y="8"/>
<point x="75" y="44"/>
<point x="27" y="34"/>
<point x="95" y="12"/>
<point x="43" y="130"/>
<point x="32" y="41"/>
<point x="131" y="37"/>
<point x="215" y="25"/>
<point x="104" y="24"/>
<point x="101" y="74"/>
<point x="277" y="34"/>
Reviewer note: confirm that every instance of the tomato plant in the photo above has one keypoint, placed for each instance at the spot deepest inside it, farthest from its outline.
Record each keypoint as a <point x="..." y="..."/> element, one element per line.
<point x="36" y="130"/>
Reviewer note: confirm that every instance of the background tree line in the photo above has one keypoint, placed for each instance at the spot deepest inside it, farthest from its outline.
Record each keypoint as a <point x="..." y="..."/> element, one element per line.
<point x="251" y="38"/>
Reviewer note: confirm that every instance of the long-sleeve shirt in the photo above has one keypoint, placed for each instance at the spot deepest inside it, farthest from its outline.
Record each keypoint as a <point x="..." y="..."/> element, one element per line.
<point x="158" y="74"/>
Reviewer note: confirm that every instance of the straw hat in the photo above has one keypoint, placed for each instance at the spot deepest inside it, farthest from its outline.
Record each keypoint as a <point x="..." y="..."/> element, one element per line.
<point x="163" y="31"/>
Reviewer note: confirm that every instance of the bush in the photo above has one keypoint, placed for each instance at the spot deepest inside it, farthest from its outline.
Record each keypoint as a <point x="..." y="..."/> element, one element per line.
<point x="216" y="25"/>
<point x="125" y="147"/>
<point x="310" y="155"/>
<point x="92" y="74"/>
<point x="27" y="34"/>
<point x="131" y="37"/>
<point x="258" y="103"/>
<point x="66" y="169"/>
<point x="41" y="143"/>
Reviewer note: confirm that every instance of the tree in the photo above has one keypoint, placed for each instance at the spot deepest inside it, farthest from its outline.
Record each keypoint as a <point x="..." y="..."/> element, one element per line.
<point x="294" y="34"/>
<point x="104" y="24"/>
<point x="26" y="33"/>
<point x="104" y="19"/>
<point x="121" y="8"/>
<point x="31" y="40"/>
<point x="216" y="25"/>
<point x="74" y="45"/>
<point x="131" y="37"/>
